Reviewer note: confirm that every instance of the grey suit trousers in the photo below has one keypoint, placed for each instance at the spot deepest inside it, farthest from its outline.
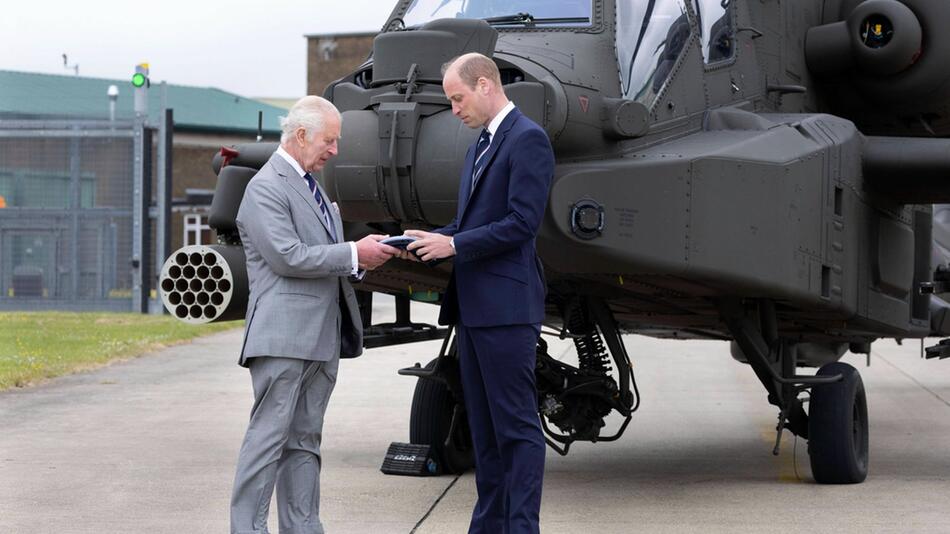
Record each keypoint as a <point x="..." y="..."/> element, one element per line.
<point x="282" y="446"/>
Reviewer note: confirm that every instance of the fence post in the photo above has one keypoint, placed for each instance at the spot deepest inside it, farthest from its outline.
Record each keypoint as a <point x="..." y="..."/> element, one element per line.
<point x="163" y="193"/>
<point x="141" y="193"/>
<point x="73" y="204"/>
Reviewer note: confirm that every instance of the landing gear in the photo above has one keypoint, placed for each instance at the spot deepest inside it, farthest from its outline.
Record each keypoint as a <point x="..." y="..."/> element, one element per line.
<point x="439" y="420"/>
<point x="572" y="401"/>
<point x="438" y="416"/>
<point x="838" y="427"/>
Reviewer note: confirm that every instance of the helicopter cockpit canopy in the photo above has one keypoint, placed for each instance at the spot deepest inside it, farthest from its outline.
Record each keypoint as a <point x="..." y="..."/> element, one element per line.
<point x="423" y="11"/>
<point x="715" y="23"/>
<point x="651" y="36"/>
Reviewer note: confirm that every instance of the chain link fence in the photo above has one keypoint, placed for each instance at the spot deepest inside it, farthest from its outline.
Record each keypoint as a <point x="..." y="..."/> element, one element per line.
<point x="67" y="197"/>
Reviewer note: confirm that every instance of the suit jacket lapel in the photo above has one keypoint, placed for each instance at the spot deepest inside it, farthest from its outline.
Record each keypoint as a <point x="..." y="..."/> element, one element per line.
<point x="465" y="184"/>
<point x="299" y="185"/>
<point x="496" y="142"/>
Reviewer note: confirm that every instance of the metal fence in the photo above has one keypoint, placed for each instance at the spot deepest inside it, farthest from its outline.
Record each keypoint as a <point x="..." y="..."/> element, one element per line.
<point x="75" y="232"/>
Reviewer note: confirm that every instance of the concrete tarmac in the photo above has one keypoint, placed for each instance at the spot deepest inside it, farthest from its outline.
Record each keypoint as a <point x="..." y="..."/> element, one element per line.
<point x="149" y="446"/>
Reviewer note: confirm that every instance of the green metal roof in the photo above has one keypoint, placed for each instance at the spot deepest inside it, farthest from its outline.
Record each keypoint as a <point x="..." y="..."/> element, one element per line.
<point x="195" y="108"/>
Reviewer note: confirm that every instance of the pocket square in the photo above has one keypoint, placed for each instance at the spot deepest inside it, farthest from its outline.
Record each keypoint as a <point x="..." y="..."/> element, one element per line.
<point x="336" y="207"/>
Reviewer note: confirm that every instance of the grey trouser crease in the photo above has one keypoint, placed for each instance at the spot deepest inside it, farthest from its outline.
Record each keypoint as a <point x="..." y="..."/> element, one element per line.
<point x="282" y="446"/>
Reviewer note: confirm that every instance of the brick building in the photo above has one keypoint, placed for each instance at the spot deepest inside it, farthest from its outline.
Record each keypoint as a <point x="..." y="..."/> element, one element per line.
<point x="330" y="56"/>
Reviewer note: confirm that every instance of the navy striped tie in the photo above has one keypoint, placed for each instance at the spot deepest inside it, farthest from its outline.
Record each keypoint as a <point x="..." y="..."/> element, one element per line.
<point x="484" y="141"/>
<point x="312" y="184"/>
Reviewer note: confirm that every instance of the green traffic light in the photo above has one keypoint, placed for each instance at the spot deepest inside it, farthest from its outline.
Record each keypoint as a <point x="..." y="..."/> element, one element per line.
<point x="138" y="79"/>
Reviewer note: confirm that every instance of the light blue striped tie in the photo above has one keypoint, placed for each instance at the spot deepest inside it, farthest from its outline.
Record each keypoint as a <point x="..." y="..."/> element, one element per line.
<point x="484" y="142"/>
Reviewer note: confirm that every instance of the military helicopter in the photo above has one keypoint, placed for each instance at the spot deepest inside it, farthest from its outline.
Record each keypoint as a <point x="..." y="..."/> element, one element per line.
<point x="758" y="172"/>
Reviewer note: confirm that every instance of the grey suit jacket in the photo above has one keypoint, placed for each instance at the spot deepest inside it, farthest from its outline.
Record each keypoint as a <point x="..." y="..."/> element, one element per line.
<point x="301" y="304"/>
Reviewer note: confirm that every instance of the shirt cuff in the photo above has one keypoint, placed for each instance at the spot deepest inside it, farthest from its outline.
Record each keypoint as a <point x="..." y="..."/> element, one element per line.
<point x="354" y="260"/>
<point x="452" y="244"/>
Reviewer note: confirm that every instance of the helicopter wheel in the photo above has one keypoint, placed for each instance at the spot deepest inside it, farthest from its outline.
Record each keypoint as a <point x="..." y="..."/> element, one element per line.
<point x="838" y="427"/>
<point x="430" y="422"/>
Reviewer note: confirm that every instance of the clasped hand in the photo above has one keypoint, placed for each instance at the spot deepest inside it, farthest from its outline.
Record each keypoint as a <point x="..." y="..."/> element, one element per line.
<point x="427" y="247"/>
<point x="371" y="253"/>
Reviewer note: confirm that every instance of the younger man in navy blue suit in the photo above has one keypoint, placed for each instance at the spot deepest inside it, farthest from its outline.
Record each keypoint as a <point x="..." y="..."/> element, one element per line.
<point x="496" y="293"/>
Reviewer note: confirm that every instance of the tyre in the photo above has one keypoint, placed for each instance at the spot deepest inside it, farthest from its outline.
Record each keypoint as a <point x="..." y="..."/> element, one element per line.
<point x="838" y="427"/>
<point x="430" y="423"/>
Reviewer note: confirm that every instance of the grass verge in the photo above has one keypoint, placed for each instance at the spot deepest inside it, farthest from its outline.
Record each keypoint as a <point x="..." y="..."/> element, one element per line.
<point x="35" y="346"/>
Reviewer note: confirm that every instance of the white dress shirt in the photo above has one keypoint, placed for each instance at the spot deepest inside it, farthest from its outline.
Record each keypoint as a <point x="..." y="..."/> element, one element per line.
<point x="496" y="122"/>
<point x="293" y="163"/>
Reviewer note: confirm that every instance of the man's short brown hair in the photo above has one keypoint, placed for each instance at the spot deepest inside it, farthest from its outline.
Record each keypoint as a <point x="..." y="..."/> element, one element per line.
<point x="473" y="66"/>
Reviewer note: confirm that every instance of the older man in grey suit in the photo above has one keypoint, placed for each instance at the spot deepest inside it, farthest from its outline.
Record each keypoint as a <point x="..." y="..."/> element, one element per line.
<point x="302" y="316"/>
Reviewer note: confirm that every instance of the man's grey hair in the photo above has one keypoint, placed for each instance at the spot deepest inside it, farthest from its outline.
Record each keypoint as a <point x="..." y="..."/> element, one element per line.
<point x="309" y="113"/>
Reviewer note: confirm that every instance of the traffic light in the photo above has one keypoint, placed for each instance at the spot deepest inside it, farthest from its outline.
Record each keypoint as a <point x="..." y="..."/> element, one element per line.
<point x="140" y="78"/>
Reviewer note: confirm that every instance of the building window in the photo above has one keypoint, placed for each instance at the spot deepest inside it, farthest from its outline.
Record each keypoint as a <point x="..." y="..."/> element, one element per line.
<point x="197" y="231"/>
<point x="327" y="47"/>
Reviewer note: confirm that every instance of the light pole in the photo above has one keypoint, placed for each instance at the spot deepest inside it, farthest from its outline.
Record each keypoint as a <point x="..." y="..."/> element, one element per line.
<point x="113" y="93"/>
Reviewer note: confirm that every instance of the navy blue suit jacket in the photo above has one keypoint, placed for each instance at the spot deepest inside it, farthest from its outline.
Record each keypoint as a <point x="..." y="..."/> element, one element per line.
<point x="497" y="278"/>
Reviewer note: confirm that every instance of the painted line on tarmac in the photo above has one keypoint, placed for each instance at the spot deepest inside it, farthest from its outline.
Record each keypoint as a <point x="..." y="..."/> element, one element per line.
<point x="436" y="503"/>
<point x="787" y="460"/>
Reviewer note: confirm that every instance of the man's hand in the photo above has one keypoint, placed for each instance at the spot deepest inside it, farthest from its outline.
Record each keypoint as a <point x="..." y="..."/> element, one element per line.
<point x="430" y="246"/>
<point x="370" y="253"/>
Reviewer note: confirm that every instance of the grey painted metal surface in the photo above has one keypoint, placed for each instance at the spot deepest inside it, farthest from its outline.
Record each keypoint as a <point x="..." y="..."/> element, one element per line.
<point x="746" y="178"/>
<point x="141" y="169"/>
<point x="163" y="186"/>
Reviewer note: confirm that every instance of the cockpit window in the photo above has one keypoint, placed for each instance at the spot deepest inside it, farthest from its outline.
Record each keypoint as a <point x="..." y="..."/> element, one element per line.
<point x="422" y="11"/>
<point x="715" y="22"/>
<point x="650" y="38"/>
